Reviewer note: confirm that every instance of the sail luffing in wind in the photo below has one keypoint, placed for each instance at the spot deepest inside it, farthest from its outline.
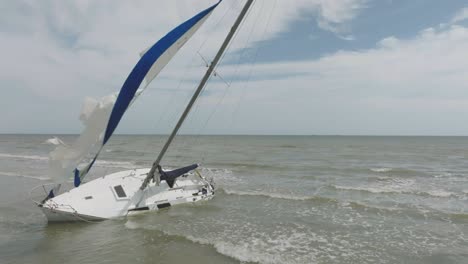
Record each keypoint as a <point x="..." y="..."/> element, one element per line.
<point x="151" y="63"/>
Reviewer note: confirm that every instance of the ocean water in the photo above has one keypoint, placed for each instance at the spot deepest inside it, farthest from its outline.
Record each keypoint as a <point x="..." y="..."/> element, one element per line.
<point x="280" y="199"/>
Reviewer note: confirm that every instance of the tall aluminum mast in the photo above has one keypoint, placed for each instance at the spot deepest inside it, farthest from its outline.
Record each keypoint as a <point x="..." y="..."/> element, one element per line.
<point x="197" y="93"/>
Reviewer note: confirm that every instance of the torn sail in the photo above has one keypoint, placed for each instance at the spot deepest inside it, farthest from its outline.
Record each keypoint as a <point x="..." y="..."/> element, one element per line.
<point x="149" y="66"/>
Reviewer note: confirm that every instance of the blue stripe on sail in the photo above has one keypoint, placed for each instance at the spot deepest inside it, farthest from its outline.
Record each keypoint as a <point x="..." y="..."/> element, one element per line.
<point x="140" y="70"/>
<point x="80" y="174"/>
<point x="77" y="178"/>
<point x="136" y="76"/>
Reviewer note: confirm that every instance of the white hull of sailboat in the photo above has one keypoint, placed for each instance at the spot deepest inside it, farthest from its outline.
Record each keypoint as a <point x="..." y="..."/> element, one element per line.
<point x="119" y="195"/>
<point x="57" y="215"/>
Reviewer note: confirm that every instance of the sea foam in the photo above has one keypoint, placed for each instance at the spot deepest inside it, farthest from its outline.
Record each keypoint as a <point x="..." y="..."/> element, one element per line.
<point x="13" y="174"/>
<point x="54" y="141"/>
<point x="30" y="157"/>
<point x="269" y="194"/>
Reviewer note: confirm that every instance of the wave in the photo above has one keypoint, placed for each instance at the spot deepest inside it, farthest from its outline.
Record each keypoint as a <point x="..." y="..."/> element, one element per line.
<point x="116" y="164"/>
<point x="250" y="166"/>
<point x="283" y="246"/>
<point x="54" y="141"/>
<point x="367" y="189"/>
<point x="381" y="169"/>
<point x="13" y="174"/>
<point x="100" y="163"/>
<point x="402" y="172"/>
<point x="243" y="253"/>
<point x="438" y="193"/>
<point x="287" y="146"/>
<point x="395" y="189"/>
<point x="367" y="207"/>
<point x="30" y="157"/>
<point x="276" y="195"/>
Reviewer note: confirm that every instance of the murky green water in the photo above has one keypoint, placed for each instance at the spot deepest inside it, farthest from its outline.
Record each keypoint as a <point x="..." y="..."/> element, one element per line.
<point x="280" y="200"/>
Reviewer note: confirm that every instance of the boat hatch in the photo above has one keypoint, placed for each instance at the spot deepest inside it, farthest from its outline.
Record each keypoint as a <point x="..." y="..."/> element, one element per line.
<point x="120" y="191"/>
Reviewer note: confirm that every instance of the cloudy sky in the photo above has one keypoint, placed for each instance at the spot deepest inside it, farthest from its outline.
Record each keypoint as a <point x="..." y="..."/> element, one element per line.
<point x="346" y="67"/>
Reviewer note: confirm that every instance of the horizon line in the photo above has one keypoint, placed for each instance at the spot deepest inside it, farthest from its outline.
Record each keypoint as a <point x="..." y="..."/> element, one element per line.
<point x="188" y="134"/>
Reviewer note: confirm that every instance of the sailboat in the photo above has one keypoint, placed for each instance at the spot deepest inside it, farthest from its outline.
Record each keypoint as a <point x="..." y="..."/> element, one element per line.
<point x="140" y="190"/>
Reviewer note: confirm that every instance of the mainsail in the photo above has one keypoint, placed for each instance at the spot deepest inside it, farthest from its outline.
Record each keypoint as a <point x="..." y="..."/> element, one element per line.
<point x="152" y="61"/>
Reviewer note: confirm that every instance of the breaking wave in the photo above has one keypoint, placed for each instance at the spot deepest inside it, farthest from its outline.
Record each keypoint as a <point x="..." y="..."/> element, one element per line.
<point x="13" y="174"/>
<point x="29" y="157"/>
<point x="100" y="163"/>
<point x="381" y="169"/>
<point x="281" y="246"/>
<point x="54" y="141"/>
<point x="276" y="195"/>
<point x="395" y="189"/>
<point x="116" y="164"/>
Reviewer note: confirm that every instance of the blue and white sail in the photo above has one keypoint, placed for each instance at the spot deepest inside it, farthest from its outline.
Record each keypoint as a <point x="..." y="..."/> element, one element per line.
<point x="152" y="61"/>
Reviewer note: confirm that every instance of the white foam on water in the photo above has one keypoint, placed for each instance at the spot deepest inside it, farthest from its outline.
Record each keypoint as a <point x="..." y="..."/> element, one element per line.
<point x="268" y="194"/>
<point x="116" y="164"/>
<point x="381" y="169"/>
<point x="13" y="174"/>
<point x="221" y="176"/>
<point x="249" y="244"/>
<point x="401" y="186"/>
<point x="392" y="185"/>
<point x="367" y="189"/>
<point x="29" y="157"/>
<point x="131" y="225"/>
<point x="439" y="193"/>
<point x="54" y="141"/>
<point x="100" y="163"/>
<point x="443" y="175"/>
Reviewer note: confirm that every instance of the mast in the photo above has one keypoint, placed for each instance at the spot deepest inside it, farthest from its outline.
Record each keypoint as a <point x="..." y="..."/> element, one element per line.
<point x="197" y="93"/>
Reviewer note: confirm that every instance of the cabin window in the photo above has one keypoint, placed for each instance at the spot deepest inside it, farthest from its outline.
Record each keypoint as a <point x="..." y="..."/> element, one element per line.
<point x="120" y="191"/>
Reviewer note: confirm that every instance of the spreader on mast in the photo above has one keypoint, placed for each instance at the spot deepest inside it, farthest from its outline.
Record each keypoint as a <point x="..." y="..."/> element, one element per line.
<point x="156" y="164"/>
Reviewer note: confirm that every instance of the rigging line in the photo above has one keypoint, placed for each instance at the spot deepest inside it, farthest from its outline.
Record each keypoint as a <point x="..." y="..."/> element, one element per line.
<point x="236" y="73"/>
<point x="197" y="136"/>
<point x="196" y="107"/>
<point x="235" y="36"/>
<point x="237" y="67"/>
<point x="218" y="22"/>
<point x="203" y="82"/>
<point x="172" y="98"/>
<point x="204" y="42"/>
<point x="169" y="102"/>
<point x="254" y="62"/>
<point x="230" y="44"/>
<point x="188" y="67"/>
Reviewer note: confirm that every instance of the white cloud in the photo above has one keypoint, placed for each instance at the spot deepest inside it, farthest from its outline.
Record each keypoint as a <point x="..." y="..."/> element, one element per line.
<point x="58" y="52"/>
<point x="461" y="15"/>
<point x="65" y="51"/>
<point x="334" y="14"/>
<point x="402" y="86"/>
<point x="83" y="45"/>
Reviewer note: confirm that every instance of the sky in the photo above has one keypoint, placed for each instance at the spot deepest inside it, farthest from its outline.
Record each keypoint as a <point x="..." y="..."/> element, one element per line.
<point x="302" y="67"/>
